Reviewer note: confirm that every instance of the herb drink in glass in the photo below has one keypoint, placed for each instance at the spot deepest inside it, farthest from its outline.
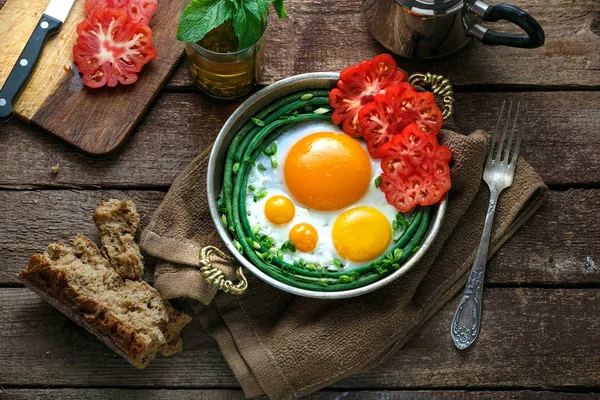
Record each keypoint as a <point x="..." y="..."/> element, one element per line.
<point x="225" y="56"/>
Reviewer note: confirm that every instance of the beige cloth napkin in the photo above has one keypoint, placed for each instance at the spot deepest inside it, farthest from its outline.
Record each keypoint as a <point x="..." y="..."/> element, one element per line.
<point x="288" y="346"/>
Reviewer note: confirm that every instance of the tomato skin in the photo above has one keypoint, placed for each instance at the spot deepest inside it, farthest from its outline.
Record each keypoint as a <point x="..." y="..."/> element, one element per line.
<point x="415" y="169"/>
<point x="358" y="85"/>
<point x="126" y="47"/>
<point x="138" y="10"/>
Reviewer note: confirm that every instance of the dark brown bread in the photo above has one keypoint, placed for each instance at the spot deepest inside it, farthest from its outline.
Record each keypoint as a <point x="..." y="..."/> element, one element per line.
<point x="117" y="222"/>
<point x="129" y="316"/>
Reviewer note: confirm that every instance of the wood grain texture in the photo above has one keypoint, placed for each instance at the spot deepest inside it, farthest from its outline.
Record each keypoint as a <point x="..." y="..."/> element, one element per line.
<point x="550" y="249"/>
<point x="196" y="394"/>
<point x="94" y="120"/>
<point x="330" y="35"/>
<point x="559" y="142"/>
<point x="531" y="338"/>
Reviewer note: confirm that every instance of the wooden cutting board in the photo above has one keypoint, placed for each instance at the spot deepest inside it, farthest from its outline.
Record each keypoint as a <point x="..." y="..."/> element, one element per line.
<point x="95" y="120"/>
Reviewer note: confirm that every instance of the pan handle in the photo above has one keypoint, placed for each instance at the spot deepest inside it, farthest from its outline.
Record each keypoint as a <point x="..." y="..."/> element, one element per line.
<point x="534" y="34"/>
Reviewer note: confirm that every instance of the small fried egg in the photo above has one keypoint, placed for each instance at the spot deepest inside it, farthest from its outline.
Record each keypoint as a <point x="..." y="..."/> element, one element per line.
<point x="320" y="195"/>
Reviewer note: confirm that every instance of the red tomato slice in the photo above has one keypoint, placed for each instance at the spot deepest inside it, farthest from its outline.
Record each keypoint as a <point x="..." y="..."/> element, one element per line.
<point x="138" y="10"/>
<point x="415" y="169"/>
<point x="423" y="110"/>
<point x="380" y="120"/>
<point x="110" y="49"/>
<point x="357" y="86"/>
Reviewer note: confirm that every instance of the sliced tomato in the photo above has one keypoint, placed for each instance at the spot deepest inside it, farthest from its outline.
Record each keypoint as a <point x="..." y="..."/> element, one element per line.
<point x="380" y="120"/>
<point x="415" y="169"/>
<point x="423" y="111"/>
<point x="357" y="86"/>
<point x="138" y="10"/>
<point x="111" y="49"/>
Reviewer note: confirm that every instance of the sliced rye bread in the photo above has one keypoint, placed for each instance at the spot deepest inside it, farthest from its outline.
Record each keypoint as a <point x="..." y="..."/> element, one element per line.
<point x="117" y="222"/>
<point x="129" y="316"/>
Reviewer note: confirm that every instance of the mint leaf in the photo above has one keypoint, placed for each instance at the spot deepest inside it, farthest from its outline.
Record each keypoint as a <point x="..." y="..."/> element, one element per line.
<point x="247" y="23"/>
<point x="279" y="8"/>
<point x="258" y="8"/>
<point x="201" y="17"/>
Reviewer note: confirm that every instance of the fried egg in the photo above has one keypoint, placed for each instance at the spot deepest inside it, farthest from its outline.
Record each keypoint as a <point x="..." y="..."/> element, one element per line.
<point x="318" y="191"/>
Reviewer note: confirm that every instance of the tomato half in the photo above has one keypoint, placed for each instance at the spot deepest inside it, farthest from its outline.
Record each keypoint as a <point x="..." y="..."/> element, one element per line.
<point x="138" y="10"/>
<point x="110" y="49"/>
<point x="415" y="169"/>
<point x="357" y="86"/>
<point x="381" y="119"/>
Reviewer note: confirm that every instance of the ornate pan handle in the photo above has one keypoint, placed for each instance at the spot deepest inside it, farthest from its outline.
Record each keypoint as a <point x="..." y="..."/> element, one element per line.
<point x="216" y="278"/>
<point x="439" y="86"/>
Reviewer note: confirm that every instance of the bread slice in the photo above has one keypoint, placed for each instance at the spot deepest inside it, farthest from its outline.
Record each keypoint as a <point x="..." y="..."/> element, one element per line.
<point x="117" y="222"/>
<point x="128" y="316"/>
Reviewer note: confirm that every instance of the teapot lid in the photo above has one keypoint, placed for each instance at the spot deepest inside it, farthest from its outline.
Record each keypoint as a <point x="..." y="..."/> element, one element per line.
<point x="431" y="7"/>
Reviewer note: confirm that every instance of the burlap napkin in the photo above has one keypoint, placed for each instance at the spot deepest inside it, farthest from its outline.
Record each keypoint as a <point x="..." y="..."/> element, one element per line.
<point x="288" y="346"/>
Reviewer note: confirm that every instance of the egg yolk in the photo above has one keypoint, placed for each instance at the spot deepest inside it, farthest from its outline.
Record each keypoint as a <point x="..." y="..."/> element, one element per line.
<point x="305" y="237"/>
<point x="327" y="171"/>
<point x="279" y="210"/>
<point x="361" y="234"/>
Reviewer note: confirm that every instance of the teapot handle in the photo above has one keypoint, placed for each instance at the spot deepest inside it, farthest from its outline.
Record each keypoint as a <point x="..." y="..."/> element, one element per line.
<point x="534" y="34"/>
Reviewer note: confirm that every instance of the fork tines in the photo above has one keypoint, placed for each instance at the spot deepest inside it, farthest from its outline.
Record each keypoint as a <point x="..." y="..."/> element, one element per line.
<point x="500" y="150"/>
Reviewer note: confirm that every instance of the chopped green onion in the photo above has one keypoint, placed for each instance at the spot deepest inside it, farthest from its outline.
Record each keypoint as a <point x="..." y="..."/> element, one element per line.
<point x="256" y="245"/>
<point x="261" y="167"/>
<point x="345" y="279"/>
<point x="251" y="188"/>
<point x="337" y="263"/>
<point x="280" y="254"/>
<point x="311" y="267"/>
<point x="236" y="167"/>
<point x="394" y="225"/>
<point x="397" y="254"/>
<point x="256" y="229"/>
<point x="415" y="249"/>
<point x="273" y="250"/>
<point x="258" y="122"/>
<point x="321" y="110"/>
<point x="238" y="246"/>
<point x="273" y="148"/>
<point x="224" y="219"/>
<point x="274" y="162"/>
<point x="378" y="182"/>
<point x="306" y="96"/>
<point x="259" y="195"/>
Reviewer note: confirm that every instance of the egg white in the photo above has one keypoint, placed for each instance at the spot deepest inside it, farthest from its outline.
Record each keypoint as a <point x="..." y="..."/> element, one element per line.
<point x="273" y="182"/>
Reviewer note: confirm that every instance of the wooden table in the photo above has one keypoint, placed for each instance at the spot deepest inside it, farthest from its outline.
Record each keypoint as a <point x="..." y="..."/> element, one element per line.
<point x="541" y="328"/>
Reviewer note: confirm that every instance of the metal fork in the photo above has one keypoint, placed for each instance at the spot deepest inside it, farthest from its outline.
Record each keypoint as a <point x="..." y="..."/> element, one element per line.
<point x="498" y="174"/>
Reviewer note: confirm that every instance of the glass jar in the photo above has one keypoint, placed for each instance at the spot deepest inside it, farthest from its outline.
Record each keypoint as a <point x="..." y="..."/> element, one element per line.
<point x="218" y="68"/>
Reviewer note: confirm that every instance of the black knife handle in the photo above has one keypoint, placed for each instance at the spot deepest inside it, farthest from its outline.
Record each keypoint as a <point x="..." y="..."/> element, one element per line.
<point x="26" y="62"/>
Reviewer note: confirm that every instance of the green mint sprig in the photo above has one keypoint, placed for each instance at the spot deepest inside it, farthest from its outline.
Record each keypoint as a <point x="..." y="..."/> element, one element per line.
<point x="247" y="16"/>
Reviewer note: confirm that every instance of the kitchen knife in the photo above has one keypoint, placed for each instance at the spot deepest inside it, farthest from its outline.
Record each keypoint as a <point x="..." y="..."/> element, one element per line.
<point x="56" y="13"/>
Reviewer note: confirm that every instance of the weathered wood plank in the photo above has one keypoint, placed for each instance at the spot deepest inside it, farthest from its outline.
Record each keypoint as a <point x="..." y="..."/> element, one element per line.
<point x="550" y="249"/>
<point x="329" y="36"/>
<point x="194" y="394"/>
<point x="531" y="338"/>
<point x="560" y="141"/>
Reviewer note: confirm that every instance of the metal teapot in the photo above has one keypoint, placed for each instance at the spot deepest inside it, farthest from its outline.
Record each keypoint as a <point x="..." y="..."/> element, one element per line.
<point x="421" y="29"/>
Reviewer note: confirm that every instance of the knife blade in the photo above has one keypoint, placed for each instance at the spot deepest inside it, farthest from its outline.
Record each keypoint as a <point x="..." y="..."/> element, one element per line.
<point x="50" y="22"/>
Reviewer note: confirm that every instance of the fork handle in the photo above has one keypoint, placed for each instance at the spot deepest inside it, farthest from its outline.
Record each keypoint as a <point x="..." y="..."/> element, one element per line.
<point x="467" y="319"/>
